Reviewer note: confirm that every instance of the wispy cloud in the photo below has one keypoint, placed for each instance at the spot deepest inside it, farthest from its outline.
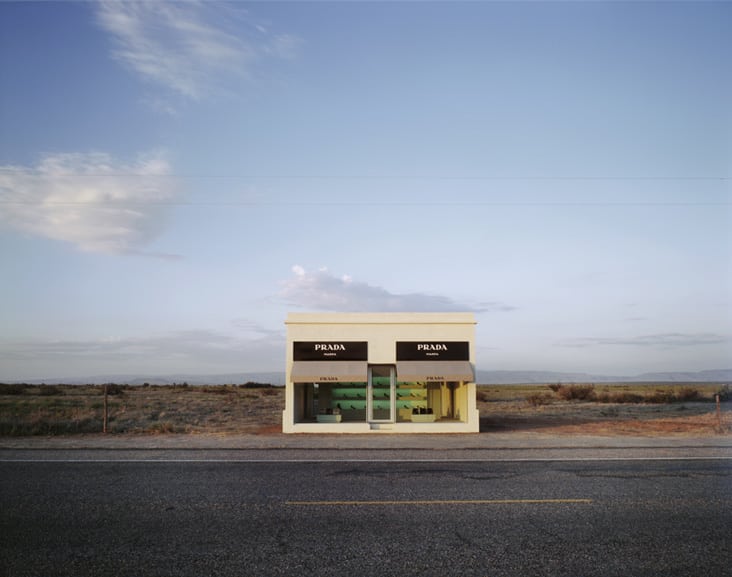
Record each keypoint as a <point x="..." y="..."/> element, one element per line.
<point x="197" y="351"/>
<point x="661" y="340"/>
<point x="91" y="200"/>
<point x="321" y="290"/>
<point x="193" y="48"/>
<point x="255" y="331"/>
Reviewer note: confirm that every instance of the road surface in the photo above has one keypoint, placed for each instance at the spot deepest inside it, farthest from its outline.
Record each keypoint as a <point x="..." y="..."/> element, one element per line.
<point x="61" y="515"/>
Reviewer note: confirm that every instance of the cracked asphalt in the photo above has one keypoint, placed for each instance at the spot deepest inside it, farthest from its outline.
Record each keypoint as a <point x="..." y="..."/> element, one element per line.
<point x="384" y="505"/>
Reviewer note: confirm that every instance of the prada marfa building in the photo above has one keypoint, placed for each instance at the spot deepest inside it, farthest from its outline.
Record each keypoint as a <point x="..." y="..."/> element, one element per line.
<point x="380" y="372"/>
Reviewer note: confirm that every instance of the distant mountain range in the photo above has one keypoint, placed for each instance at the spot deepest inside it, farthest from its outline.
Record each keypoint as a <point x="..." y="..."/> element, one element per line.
<point x="271" y="378"/>
<point x="528" y="377"/>
<point x="483" y="378"/>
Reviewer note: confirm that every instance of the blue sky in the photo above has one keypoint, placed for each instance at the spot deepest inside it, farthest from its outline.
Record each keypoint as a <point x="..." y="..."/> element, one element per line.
<point x="175" y="177"/>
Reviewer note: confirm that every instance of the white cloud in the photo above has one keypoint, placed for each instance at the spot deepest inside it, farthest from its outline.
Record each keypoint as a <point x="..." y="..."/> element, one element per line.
<point x="322" y="290"/>
<point x="90" y="200"/>
<point x="193" y="48"/>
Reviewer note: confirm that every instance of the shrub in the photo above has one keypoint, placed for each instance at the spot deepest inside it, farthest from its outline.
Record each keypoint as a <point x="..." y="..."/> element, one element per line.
<point x="114" y="389"/>
<point x="12" y="389"/>
<point x="725" y="394"/>
<point x="576" y="392"/>
<point x="538" y="399"/>
<point x="660" y="397"/>
<point x="255" y="385"/>
<point x="627" y="397"/>
<point x="619" y="397"/>
<point x="165" y="427"/>
<point x="482" y="396"/>
<point x="683" y="395"/>
<point x="217" y="389"/>
<point x="687" y="395"/>
<point x="45" y="423"/>
<point x="49" y="391"/>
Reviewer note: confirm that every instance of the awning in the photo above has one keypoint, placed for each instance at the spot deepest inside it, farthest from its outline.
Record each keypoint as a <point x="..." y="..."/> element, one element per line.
<point x="420" y="371"/>
<point x="329" y="372"/>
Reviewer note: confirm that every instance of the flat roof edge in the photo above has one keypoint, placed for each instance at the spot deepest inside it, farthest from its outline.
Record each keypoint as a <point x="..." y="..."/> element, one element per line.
<point x="381" y="318"/>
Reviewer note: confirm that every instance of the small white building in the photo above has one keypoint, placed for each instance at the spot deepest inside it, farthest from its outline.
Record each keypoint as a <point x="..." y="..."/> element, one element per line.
<point x="380" y="372"/>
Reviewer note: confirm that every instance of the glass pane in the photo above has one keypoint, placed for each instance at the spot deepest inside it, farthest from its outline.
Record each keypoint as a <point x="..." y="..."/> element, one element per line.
<point x="345" y="399"/>
<point x="411" y="399"/>
<point x="381" y="392"/>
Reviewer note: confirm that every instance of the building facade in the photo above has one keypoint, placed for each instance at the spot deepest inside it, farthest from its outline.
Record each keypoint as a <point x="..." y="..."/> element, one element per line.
<point x="380" y="372"/>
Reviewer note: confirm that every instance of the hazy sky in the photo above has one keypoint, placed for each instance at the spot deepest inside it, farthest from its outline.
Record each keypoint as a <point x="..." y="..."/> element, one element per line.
<point x="175" y="177"/>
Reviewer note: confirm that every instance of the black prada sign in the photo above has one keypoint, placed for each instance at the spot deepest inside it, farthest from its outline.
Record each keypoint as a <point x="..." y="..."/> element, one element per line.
<point x="433" y="351"/>
<point x="330" y="350"/>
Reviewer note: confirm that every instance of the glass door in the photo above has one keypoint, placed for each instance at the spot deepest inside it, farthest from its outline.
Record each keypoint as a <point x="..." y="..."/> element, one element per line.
<point x="381" y="393"/>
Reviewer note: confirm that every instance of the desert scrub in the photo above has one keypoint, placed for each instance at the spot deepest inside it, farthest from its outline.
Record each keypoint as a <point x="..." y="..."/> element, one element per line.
<point x="688" y="395"/>
<point x="539" y="399"/>
<point x="620" y="397"/>
<point x="482" y="396"/>
<point x="165" y="427"/>
<point x="114" y="389"/>
<point x="660" y="396"/>
<point x="576" y="392"/>
<point x="154" y="409"/>
<point x="49" y="420"/>
<point x="725" y="394"/>
<point x="218" y="389"/>
<point x="49" y="391"/>
<point x="12" y="389"/>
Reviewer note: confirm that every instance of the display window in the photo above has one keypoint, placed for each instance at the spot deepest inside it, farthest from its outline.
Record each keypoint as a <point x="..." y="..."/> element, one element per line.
<point x="381" y="400"/>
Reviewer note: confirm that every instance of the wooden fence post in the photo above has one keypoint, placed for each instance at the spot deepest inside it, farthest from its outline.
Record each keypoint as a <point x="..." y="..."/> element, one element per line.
<point x="719" y="414"/>
<point x="104" y="427"/>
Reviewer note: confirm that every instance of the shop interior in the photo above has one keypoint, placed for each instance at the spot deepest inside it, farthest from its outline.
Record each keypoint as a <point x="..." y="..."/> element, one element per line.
<point x="381" y="400"/>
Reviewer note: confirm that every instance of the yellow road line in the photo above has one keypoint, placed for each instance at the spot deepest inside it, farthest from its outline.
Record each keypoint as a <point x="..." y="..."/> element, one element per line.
<point x="445" y="502"/>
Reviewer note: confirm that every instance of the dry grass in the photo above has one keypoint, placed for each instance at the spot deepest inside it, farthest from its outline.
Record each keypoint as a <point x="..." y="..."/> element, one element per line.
<point x="150" y="409"/>
<point x="648" y="409"/>
<point x="613" y="409"/>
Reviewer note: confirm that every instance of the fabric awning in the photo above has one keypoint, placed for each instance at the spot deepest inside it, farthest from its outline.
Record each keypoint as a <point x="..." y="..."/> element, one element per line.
<point x="329" y="372"/>
<point x="420" y="371"/>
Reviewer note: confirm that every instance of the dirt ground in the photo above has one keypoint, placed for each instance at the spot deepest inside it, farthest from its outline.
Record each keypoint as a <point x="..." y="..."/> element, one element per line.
<point x="578" y="418"/>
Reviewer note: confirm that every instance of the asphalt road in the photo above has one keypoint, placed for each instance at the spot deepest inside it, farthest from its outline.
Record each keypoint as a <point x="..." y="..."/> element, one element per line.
<point x="362" y="517"/>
